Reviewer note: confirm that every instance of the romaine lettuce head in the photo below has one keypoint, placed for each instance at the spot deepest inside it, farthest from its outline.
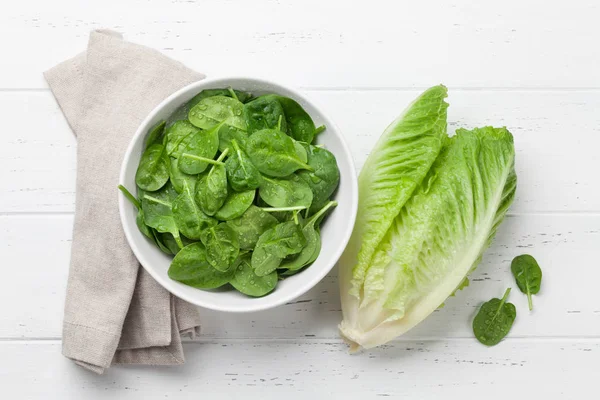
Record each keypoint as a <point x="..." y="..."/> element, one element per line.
<point x="433" y="241"/>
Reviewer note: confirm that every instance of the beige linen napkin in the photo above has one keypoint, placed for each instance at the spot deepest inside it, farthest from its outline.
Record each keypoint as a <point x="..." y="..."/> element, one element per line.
<point x="114" y="311"/>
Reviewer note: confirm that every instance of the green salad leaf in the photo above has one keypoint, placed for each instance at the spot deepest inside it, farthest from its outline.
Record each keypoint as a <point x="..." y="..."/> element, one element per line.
<point x="191" y="266"/>
<point x="528" y="275"/>
<point x="153" y="171"/>
<point x="494" y="320"/>
<point x="429" y="205"/>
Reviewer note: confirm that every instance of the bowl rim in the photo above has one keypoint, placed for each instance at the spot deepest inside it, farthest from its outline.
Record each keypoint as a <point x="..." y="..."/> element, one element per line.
<point x="226" y="81"/>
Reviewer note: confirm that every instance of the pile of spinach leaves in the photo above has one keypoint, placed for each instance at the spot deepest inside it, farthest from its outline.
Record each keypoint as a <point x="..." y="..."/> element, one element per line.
<point x="233" y="186"/>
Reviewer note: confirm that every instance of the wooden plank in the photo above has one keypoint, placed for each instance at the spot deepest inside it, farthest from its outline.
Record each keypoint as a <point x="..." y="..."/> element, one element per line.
<point x="552" y="369"/>
<point x="36" y="258"/>
<point x="556" y="136"/>
<point x="38" y="158"/>
<point x="325" y="44"/>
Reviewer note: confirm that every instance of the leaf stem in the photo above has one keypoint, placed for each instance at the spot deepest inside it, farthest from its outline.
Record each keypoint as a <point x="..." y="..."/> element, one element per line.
<point x="319" y="129"/>
<point x="129" y="196"/>
<point x="279" y="122"/>
<point x="204" y="159"/>
<point x="319" y="213"/>
<point x="529" y="300"/>
<point x="155" y="200"/>
<point x="232" y="93"/>
<point x="505" y="297"/>
<point x="277" y="209"/>
<point x="236" y="149"/>
<point x="178" y="241"/>
<point x="223" y="154"/>
<point x="307" y="167"/>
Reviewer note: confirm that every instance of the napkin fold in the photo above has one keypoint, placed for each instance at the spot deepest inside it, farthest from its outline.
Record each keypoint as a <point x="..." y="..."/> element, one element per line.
<point x="115" y="313"/>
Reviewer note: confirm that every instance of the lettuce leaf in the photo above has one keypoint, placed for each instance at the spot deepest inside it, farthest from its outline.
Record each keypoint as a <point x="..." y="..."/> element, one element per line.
<point x="396" y="166"/>
<point x="432" y="242"/>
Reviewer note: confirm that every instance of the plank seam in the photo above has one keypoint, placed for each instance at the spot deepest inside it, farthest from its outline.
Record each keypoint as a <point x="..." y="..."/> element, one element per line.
<point x="585" y="338"/>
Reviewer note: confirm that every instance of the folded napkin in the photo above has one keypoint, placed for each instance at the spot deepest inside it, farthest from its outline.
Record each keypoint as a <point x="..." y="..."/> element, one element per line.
<point x="114" y="311"/>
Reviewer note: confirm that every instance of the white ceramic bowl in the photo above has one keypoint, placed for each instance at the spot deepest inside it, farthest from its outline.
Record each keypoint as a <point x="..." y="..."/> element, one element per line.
<point x="335" y="231"/>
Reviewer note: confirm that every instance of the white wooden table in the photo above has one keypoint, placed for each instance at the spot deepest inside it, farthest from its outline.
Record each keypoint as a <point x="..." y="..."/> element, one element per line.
<point x="533" y="66"/>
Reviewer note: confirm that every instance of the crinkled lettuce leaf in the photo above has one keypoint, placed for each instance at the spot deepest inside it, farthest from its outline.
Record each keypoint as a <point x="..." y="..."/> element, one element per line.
<point x="396" y="167"/>
<point x="418" y="253"/>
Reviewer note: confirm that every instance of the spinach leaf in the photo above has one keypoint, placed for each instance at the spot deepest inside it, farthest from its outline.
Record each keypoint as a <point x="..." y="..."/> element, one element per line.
<point x="264" y="112"/>
<point x="237" y="94"/>
<point x="288" y="192"/>
<point x="158" y="239"/>
<point x="528" y="275"/>
<point x="171" y="244"/>
<point x="190" y="220"/>
<point x="167" y="240"/>
<point x="324" y="177"/>
<point x="211" y="190"/>
<point x="248" y="283"/>
<point x="253" y="223"/>
<point x="300" y="125"/>
<point x="164" y="241"/>
<point x="150" y="233"/>
<point x="158" y="213"/>
<point x="141" y="224"/>
<point x="177" y="136"/>
<point x="211" y="111"/>
<point x="200" y="150"/>
<point x="178" y="177"/>
<point x="191" y="267"/>
<point x="181" y="113"/>
<point x="241" y="173"/>
<point x="494" y="320"/>
<point x="155" y="134"/>
<point x="153" y="171"/>
<point x="274" y="245"/>
<point x="227" y="134"/>
<point x="222" y="246"/>
<point x="311" y="251"/>
<point x="301" y="151"/>
<point x="274" y="153"/>
<point x="235" y="205"/>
